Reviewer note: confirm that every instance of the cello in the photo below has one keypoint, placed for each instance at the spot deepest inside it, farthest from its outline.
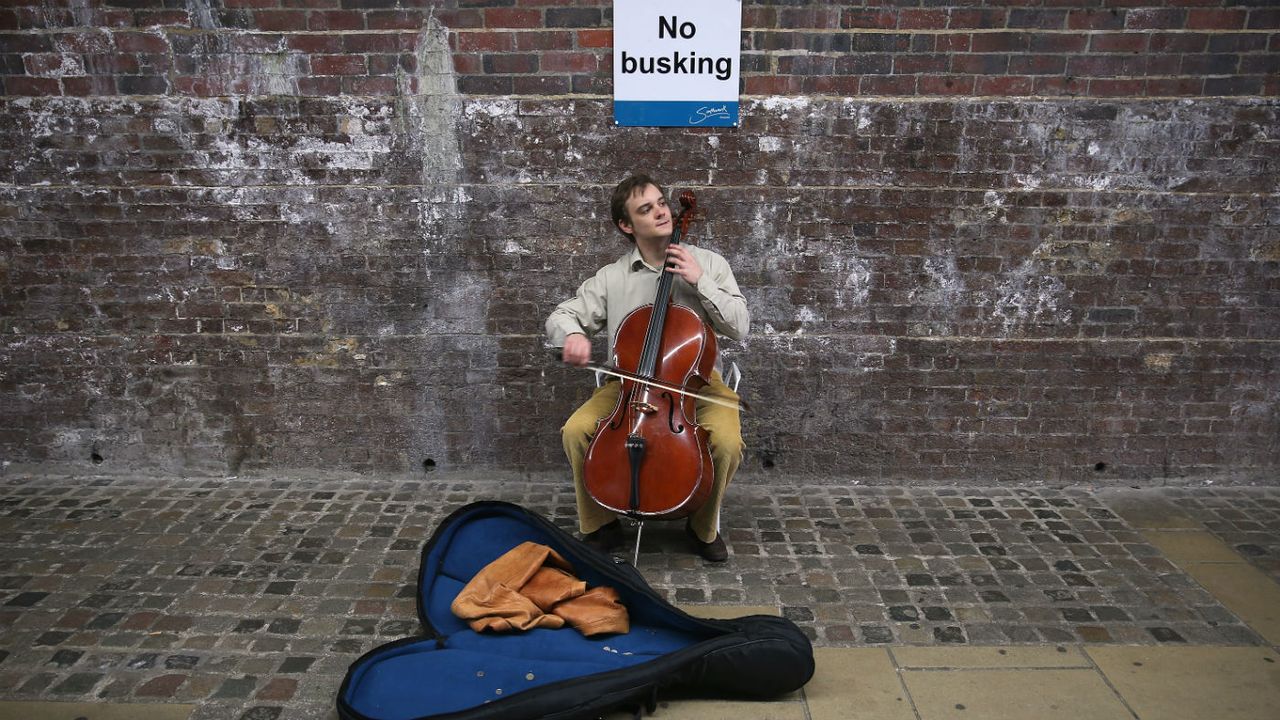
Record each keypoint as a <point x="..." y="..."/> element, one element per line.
<point x="649" y="458"/>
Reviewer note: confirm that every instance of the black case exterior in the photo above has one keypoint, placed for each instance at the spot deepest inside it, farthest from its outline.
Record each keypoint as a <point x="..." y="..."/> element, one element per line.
<point x="759" y="656"/>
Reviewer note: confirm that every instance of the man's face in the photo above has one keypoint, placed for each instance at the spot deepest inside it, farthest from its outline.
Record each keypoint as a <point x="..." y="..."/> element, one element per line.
<point x="648" y="215"/>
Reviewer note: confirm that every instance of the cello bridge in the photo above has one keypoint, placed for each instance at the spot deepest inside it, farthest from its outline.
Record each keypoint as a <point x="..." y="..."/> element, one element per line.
<point x="644" y="407"/>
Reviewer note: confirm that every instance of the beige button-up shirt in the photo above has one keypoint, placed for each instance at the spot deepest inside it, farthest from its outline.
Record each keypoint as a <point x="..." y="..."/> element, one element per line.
<point x="605" y="298"/>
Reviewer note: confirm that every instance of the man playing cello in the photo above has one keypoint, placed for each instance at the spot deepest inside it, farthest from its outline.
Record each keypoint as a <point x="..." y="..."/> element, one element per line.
<point x="704" y="283"/>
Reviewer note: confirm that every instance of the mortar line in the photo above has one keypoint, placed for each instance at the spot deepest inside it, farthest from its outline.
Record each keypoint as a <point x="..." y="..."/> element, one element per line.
<point x="933" y="338"/>
<point x="403" y="336"/>
<point x="755" y="188"/>
<point x="898" y="670"/>
<point x="809" y="97"/>
<point x="255" y="32"/>
<point x="1107" y="681"/>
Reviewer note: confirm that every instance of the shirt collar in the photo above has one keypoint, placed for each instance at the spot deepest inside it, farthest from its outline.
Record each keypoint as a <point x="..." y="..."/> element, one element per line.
<point x="636" y="262"/>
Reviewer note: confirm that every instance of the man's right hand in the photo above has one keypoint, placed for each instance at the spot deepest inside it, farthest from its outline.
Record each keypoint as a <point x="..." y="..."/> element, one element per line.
<point x="577" y="350"/>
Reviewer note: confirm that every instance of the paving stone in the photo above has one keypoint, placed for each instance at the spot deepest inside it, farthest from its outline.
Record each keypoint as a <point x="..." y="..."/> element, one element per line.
<point x="263" y="591"/>
<point x="1186" y="683"/>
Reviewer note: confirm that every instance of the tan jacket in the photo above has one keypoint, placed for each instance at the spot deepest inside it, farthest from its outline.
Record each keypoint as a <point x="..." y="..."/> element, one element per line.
<point x="531" y="586"/>
<point x="604" y="299"/>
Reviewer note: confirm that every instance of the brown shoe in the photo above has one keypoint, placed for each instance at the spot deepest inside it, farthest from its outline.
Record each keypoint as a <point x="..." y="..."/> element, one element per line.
<point x="714" y="551"/>
<point x="606" y="537"/>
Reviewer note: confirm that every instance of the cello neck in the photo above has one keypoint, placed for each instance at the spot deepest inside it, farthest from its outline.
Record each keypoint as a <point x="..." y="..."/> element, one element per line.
<point x="653" y="335"/>
<point x="662" y="299"/>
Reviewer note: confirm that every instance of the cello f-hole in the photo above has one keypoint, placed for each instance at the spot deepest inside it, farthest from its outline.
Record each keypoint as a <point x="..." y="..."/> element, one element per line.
<point x="675" y="426"/>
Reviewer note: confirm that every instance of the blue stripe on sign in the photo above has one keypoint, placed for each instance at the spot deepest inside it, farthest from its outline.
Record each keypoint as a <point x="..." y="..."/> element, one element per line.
<point x="652" y="113"/>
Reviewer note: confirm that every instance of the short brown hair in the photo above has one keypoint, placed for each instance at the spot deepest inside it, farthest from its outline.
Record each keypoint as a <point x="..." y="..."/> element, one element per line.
<point x="623" y="193"/>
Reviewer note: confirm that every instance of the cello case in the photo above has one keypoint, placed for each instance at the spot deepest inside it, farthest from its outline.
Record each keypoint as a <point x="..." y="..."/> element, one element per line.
<point x="456" y="673"/>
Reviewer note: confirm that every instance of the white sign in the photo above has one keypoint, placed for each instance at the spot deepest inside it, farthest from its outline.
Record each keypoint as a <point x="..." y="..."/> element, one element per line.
<point x="676" y="62"/>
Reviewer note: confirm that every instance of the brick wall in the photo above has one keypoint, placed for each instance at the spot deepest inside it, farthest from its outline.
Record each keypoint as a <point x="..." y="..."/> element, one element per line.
<point x="992" y="242"/>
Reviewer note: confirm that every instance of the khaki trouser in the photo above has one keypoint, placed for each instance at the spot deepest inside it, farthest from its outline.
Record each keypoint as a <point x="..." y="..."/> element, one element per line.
<point x="725" y="436"/>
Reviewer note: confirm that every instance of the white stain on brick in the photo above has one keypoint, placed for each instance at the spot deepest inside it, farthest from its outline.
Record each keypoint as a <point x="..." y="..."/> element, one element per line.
<point x="993" y="206"/>
<point x="1027" y="296"/>
<point x="943" y="285"/>
<point x="784" y="106"/>
<point x="770" y="144"/>
<point x="856" y="284"/>
<point x="864" y="117"/>
<point x="490" y="108"/>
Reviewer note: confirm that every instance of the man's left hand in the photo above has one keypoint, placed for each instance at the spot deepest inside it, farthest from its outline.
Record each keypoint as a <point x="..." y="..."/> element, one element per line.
<point x="681" y="262"/>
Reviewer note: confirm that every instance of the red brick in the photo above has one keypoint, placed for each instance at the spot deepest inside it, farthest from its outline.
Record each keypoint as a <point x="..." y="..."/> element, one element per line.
<point x="1104" y="19"/>
<point x="336" y="20"/>
<point x="1155" y="18"/>
<point x="889" y="85"/>
<point x="946" y="85"/>
<point x="280" y="20"/>
<point x="1216" y="19"/>
<point x="549" y="40"/>
<point x="595" y="38"/>
<point x="1037" y="64"/>
<point x="86" y="42"/>
<point x="371" y="43"/>
<point x="467" y="64"/>
<point x="315" y="43"/>
<point x="1059" y="86"/>
<point x="1128" y="87"/>
<point x="141" y="42"/>
<point x="46" y="64"/>
<point x="924" y="19"/>
<point x="509" y="63"/>
<point x="397" y="19"/>
<point x="1174" y="87"/>
<point x="468" y="18"/>
<point x="977" y="18"/>
<point x="391" y="64"/>
<point x="756" y="16"/>
<point x="1000" y="42"/>
<point x="953" y="42"/>
<point x="338" y="65"/>
<point x="1118" y="42"/>
<point x="864" y="19"/>
<point x="369" y="85"/>
<point x="21" y="85"/>
<point x="318" y="86"/>
<point x="917" y="64"/>
<point x="845" y="85"/>
<point x="820" y="18"/>
<point x="193" y="86"/>
<point x="570" y="62"/>
<point x="540" y="84"/>
<point x="485" y="41"/>
<point x="498" y="17"/>
<point x="771" y="85"/>
<point x="146" y="18"/>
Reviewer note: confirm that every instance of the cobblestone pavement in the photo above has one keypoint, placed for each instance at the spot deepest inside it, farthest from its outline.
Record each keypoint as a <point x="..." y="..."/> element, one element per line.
<point x="250" y="597"/>
<point x="1247" y="519"/>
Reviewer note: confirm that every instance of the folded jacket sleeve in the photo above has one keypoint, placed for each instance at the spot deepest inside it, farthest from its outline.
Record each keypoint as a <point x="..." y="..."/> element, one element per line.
<point x="597" y="612"/>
